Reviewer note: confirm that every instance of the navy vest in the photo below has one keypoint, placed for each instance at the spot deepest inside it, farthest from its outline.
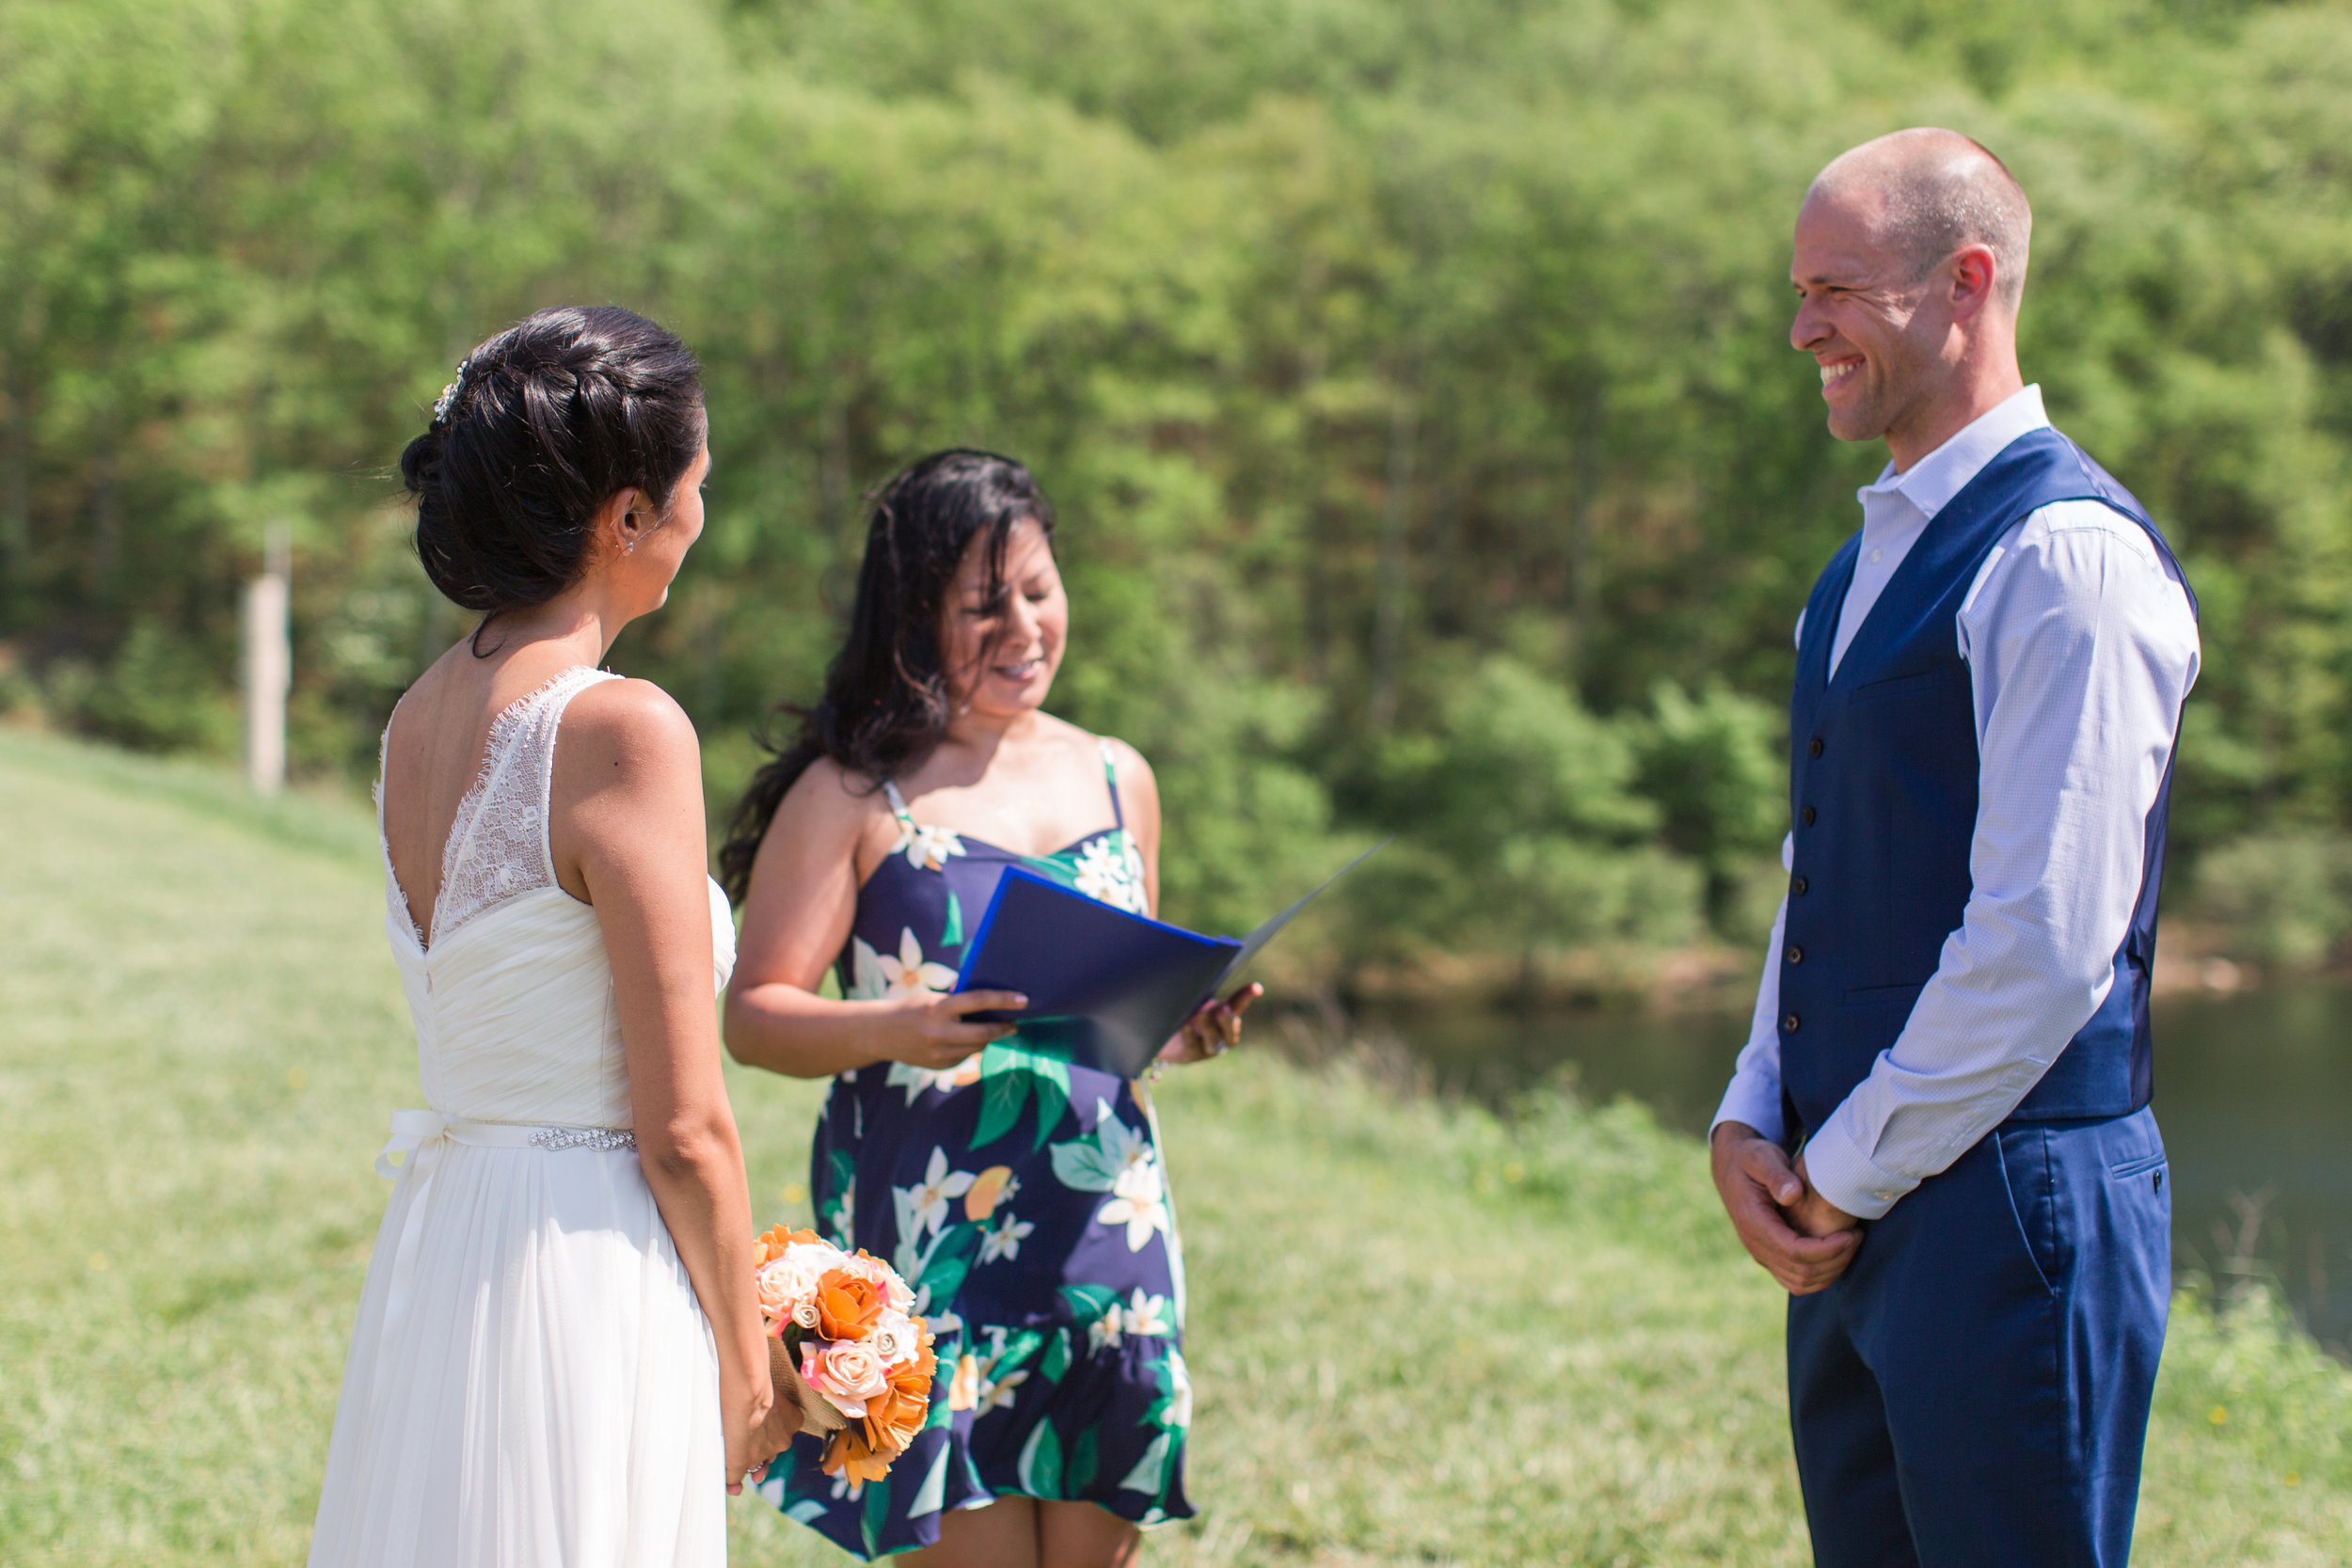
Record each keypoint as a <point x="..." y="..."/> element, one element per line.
<point x="1882" y="787"/>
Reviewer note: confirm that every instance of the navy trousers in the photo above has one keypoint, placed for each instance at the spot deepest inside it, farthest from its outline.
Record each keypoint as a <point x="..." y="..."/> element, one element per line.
<point x="1974" y="1392"/>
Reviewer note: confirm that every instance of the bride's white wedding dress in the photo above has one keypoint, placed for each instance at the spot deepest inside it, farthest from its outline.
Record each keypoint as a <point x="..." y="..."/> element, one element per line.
<point x="532" y="1381"/>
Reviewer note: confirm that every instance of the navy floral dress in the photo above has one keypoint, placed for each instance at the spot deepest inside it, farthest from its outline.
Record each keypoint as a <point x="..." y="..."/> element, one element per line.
<point x="1022" y="1198"/>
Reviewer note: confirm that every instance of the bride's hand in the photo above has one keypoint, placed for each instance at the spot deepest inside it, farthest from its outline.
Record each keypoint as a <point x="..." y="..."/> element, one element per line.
<point x="784" y="1419"/>
<point x="1214" y="1028"/>
<point x="933" y="1031"/>
<point x="749" y="1406"/>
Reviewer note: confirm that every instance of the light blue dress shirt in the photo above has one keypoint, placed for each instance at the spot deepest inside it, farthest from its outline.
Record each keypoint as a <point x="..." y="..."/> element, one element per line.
<point x="2081" y="647"/>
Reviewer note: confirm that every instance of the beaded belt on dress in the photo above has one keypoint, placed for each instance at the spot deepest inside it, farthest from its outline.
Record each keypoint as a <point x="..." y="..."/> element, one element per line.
<point x="421" y="1137"/>
<point x="413" y="1130"/>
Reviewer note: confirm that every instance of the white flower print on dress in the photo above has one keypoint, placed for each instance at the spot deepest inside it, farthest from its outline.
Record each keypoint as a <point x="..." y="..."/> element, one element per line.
<point x="876" y="976"/>
<point x="844" y="1224"/>
<point x="1121" y="1161"/>
<point x="989" y="1390"/>
<point x="927" y="848"/>
<point x="1109" y="869"/>
<point x="1005" y="1239"/>
<point x="926" y="1204"/>
<point x="1179" y="1411"/>
<point x="916" y="1079"/>
<point x="1146" y="1314"/>
<point x="1105" y="1332"/>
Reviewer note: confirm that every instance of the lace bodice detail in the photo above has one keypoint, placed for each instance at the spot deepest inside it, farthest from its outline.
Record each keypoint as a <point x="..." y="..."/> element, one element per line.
<point x="498" y="846"/>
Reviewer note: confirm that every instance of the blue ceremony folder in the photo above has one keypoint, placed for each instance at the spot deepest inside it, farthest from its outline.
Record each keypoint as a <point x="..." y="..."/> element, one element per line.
<point x="1106" y="987"/>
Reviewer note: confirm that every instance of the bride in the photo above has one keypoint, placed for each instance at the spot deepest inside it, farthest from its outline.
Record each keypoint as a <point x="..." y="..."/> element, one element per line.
<point x="558" y="1358"/>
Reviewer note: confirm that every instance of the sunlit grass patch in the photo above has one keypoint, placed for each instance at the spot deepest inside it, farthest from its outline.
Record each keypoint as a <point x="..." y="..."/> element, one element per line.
<point x="1419" y="1334"/>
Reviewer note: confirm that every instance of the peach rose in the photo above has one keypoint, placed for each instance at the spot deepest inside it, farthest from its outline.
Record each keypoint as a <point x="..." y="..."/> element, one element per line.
<point x="846" y="1373"/>
<point x="847" y="1304"/>
<point x="785" y="1282"/>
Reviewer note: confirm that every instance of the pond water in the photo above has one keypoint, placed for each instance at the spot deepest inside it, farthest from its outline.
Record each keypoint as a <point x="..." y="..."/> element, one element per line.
<point x="2253" y="1093"/>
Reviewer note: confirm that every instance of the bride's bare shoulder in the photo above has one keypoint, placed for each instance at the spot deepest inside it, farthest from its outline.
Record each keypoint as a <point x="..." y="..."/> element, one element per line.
<point x="628" y="727"/>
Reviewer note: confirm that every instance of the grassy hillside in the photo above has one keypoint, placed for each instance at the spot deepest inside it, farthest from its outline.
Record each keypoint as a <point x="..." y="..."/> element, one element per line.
<point x="1417" y="1336"/>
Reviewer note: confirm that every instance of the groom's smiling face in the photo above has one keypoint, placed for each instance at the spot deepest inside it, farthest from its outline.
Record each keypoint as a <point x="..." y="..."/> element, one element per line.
<point x="1863" y="317"/>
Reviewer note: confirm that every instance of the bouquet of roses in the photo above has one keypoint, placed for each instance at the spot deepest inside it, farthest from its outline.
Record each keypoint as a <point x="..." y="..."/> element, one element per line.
<point x="841" y="1322"/>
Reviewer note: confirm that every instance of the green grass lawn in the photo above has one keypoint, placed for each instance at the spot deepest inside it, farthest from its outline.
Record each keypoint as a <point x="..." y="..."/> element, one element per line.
<point x="1417" y="1336"/>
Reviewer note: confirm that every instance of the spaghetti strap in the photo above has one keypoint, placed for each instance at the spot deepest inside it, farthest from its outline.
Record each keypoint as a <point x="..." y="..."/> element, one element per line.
<point x="1110" y="776"/>
<point x="898" y="803"/>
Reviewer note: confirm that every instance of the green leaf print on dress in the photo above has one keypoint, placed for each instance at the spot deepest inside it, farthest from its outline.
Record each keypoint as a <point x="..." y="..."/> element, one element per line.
<point x="1121" y="1161"/>
<point x="1011" y="1078"/>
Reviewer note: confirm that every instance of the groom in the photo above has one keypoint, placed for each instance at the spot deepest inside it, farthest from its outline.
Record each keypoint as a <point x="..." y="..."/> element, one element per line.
<point x="1952" y="1029"/>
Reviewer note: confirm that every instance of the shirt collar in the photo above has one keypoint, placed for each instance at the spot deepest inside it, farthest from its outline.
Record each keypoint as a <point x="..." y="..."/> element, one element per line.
<point x="1931" y="483"/>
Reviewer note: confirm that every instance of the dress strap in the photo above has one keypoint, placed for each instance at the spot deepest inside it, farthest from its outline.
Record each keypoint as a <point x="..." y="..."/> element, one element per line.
<point x="1110" y="776"/>
<point x="898" y="803"/>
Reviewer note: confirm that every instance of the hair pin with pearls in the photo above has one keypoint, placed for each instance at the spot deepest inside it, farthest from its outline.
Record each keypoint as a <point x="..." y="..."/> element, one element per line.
<point x="449" y="393"/>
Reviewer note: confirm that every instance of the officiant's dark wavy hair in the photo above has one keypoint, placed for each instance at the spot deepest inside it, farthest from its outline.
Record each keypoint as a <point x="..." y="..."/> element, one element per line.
<point x="545" y="422"/>
<point x="885" y="699"/>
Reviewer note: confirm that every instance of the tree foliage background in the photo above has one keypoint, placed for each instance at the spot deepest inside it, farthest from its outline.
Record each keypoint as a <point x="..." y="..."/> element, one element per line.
<point x="1412" y="379"/>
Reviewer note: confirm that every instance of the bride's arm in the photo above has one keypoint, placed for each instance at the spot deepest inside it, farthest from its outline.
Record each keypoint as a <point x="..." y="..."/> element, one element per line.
<point x="625" y="816"/>
<point x="797" y="916"/>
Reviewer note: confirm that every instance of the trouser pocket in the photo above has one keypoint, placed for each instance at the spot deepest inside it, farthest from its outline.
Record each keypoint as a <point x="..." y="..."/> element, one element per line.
<point x="2026" y="1167"/>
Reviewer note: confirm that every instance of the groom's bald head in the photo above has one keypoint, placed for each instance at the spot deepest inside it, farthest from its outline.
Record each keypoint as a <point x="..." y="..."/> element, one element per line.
<point x="1929" y="193"/>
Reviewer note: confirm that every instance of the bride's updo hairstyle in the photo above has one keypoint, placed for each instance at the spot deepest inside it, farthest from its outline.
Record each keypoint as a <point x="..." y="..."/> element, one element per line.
<point x="546" y="422"/>
<point x="885" y="699"/>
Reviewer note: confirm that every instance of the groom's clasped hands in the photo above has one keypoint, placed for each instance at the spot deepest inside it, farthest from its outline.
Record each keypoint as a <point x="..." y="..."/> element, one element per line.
<point x="1802" y="1240"/>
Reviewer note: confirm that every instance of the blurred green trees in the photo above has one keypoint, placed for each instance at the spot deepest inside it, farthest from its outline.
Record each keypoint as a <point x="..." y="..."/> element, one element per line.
<point x="1413" y="378"/>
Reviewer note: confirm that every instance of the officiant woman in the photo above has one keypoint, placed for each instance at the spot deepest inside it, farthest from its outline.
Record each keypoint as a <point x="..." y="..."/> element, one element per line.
<point x="1021" y="1196"/>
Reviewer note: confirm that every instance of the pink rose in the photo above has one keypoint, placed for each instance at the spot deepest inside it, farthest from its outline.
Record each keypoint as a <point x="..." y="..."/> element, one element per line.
<point x="846" y="1371"/>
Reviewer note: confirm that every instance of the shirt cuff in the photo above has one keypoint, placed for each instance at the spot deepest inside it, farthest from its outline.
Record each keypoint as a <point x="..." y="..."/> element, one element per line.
<point x="1752" y="1101"/>
<point x="1840" y="1172"/>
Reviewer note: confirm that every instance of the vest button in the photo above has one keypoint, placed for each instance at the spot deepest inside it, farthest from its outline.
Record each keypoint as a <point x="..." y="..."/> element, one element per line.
<point x="1806" y="817"/>
<point x="1796" y="954"/>
<point x="1791" y="1023"/>
<point x="1813" y="747"/>
<point x="1797" y="885"/>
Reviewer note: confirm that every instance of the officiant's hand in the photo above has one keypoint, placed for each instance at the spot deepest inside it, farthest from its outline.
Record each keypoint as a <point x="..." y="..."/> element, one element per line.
<point x="929" y="1029"/>
<point x="1214" y="1028"/>
<point x="1762" y="1193"/>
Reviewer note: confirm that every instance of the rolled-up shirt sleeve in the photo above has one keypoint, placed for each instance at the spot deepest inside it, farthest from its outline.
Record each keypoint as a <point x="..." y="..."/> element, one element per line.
<point x="2081" y="647"/>
<point x="1754" y="1094"/>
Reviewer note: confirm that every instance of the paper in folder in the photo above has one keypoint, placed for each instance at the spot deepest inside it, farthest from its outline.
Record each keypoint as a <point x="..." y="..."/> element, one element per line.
<point x="1106" y="987"/>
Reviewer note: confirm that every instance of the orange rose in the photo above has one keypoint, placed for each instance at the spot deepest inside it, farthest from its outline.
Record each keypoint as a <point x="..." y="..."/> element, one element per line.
<point x="847" y="1305"/>
<point x="892" y="1421"/>
<point x="774" y="1240"/>
<point x="850" y="1456"/>
<point x="915" y="1376"/>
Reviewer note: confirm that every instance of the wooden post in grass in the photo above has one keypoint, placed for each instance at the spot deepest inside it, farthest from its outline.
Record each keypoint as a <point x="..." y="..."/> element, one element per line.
<point x="268" y="663"/>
